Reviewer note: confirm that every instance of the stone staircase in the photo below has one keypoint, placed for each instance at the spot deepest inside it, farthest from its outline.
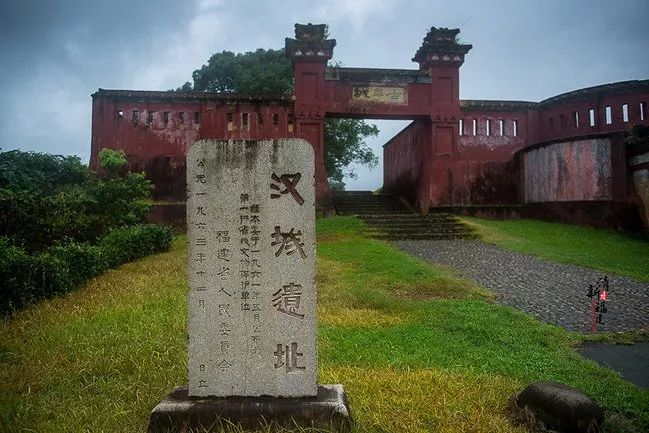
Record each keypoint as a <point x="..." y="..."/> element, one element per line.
<point x="387" y="217"/>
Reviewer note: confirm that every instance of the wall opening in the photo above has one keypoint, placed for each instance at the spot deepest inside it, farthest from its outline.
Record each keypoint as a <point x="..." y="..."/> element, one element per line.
<point x="625" y="112"/>
<point x="591" y="116"/>
<point x="181" y="117"/>
<point x="363" y="178"/>
<point x="244" y="121"/>
<point x="488" y="126"/>
<point x="515" y="126"/>
<point x="165" y="117"/>
<point x="135" y="116"/>
<point x="461" y="127"/>
<point x="609" y="115"/>
<point x="575" y="115"/>
<point x="260" y="121"/>
<point x="501" y="126"/>
<point x="197" y="117"/>
<point x="643" y="110"/>
<point x="475" y="126"/>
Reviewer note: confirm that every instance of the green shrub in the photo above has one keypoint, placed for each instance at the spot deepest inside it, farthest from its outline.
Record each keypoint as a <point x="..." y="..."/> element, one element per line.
<point x="40" y="173"/>
<point x="130" y="243"/>
<point x="35" y="222"/>
<point x="77" y="263"/>
<point x="121" y="201"/>
<point x="50" y="199"/>
<point x="16" y="286"/>
<point x="25" y="278"/>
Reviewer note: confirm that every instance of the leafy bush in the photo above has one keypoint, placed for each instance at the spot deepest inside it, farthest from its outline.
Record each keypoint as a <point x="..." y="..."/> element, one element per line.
<point x="25" y="278"/>
<point x="61" y="224"/>
<point x="76" y="263"/>
<point x="16" y="286"/>
<point x="40" y="173"/>
<point x="51" y="199"/>
<point x="124" y="245"/>
<point x="122" y="201"/>
<point x="34" y="222"/>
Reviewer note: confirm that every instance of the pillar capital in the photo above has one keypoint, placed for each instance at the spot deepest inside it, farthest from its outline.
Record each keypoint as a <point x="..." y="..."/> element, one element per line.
<point x="441" y="47"/>
<point x="310" y="44"/>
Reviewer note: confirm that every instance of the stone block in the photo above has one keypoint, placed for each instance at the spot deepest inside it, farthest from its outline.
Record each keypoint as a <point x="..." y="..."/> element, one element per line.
<point x="562" y="407"/>
<point x="180" y="413"/>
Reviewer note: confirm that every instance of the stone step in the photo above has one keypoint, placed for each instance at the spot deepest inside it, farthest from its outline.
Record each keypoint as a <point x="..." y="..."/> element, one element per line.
<point x="409" y="222"/>
<point x="432" y="230"/>
<point x="368" y="200"/>
<point x="347" y="193"/>
<point x="415" y="237"/>
<point x="406" y="232"/>
<point x="372" y="205"/>
<point x="387" y="217"/>
<point x="405" y="218"/>
<point x="372" y="211"/>
<point x="429" y="229"/>
<point x="365" y="197"/>
<point x="339" y="206"/>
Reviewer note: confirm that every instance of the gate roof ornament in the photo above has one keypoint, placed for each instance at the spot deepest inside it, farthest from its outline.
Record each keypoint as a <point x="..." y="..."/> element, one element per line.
<point x="310" y="43"/>
<point x="441" y="48"/>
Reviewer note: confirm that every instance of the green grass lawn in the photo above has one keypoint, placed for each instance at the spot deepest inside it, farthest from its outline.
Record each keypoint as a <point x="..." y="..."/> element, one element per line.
<point x="417" y="349"/>
<point x="605" y="250"/>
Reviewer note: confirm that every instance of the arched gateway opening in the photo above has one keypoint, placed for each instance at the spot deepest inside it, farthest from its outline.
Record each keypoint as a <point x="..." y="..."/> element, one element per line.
<point x="429" y="96"/>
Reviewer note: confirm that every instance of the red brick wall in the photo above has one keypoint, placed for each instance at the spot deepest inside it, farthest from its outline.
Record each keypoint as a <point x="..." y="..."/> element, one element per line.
<point x="157" y="138"/>
<point x="402" y="160"/>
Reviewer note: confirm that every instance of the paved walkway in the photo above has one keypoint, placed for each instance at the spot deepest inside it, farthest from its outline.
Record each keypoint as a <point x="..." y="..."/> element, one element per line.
<point x="552" y="292"/>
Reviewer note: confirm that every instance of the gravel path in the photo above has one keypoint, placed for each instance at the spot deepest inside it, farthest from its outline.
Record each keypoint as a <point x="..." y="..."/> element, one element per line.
<point x="552" y="292"/>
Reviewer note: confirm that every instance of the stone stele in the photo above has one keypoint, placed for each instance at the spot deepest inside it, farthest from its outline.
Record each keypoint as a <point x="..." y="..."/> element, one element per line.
<point x="251" y="268"/>
<point x="252" y="294"/>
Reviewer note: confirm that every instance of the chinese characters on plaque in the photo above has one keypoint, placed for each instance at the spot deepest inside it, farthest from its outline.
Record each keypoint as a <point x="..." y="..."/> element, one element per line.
<point x="380" y="94"/>
<point x="251" y="268"/>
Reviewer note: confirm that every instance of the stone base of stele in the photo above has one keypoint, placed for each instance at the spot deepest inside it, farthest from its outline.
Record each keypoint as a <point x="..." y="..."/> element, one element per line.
<point x="178" y="412"/>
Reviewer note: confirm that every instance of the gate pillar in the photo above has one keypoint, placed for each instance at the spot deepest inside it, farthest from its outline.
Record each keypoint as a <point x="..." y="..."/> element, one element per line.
<point x="441" y="55"/>
<point x="309" y="53"/>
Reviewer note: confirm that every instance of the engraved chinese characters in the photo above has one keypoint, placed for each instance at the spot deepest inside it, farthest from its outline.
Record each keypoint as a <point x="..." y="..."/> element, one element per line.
<point x="252" y="299"/>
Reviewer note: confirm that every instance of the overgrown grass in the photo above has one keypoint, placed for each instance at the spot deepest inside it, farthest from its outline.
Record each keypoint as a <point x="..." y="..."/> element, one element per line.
<point x="600" y="249"/>
<point x="417" y="349"/>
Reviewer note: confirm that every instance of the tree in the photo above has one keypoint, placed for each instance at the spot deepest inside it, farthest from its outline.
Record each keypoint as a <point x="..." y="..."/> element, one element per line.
<point x="344" y="145"/>
<point x="269" y="72"/>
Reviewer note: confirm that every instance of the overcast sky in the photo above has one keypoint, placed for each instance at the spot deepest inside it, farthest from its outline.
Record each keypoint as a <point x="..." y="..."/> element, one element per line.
<point x="55" y="53"/>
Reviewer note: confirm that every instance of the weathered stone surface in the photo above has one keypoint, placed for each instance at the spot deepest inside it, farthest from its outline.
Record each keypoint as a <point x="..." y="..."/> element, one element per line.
<point x="177" y="412"/>
<point x="569" y="171"/>
<point x="251" y="268"/>
<point x="562" y="407"/>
